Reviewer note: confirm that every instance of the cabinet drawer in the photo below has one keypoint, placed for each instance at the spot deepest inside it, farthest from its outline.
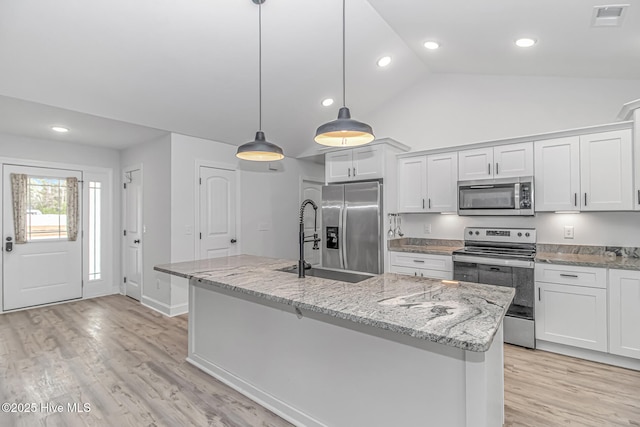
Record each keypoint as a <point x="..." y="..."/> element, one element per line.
<point x="431" y="274"/>
<point x="422" y="261"/>
<point x="571" y="275"/>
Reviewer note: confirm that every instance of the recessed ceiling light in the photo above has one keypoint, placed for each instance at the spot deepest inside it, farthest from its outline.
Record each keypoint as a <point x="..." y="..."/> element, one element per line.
<point x="59" y="129"/>
<point x="525" y="42"/>
<point x="431" y="45"/>
<point x="327" y="102"/>
<point x="384" y="61"/>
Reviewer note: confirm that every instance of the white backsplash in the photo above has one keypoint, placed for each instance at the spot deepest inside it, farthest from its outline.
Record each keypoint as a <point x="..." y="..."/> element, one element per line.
<point x="590" y="228"/>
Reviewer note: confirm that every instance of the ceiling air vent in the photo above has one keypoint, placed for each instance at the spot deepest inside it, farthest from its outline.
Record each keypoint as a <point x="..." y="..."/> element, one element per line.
<point x="608" y="16"/>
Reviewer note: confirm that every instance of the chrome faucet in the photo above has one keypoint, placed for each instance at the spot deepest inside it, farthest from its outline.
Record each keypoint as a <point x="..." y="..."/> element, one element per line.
<point x="302" y="264"/>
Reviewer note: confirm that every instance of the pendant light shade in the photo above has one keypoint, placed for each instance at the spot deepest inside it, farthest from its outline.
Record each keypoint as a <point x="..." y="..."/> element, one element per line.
<point x="260" y="150"/>
<point x="344" y="131"/>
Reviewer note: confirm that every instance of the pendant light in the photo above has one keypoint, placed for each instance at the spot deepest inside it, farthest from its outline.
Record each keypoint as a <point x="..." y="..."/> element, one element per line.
<point x="344" y="131"/>
<point x="259" y="150"/>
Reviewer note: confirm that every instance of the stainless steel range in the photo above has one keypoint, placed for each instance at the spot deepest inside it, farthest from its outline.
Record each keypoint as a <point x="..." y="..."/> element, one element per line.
<point x="503" y="257"/>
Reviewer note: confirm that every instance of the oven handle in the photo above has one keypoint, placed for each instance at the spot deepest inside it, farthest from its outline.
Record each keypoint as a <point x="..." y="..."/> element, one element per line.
<point x="494" y="261"/>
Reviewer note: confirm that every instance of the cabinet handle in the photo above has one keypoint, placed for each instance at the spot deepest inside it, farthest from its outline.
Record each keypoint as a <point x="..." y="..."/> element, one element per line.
<point x="349" y="171"/>
<point x="639" y="197"/>
<point x="415" y="273"/>
<point x="422" y="203"/>
<point x="488" y="168"/>
<point x="419" y="260"/>
<point x="354" y="171"/>
<point x="585" y="199"/>
<point x="573" y="276"/>
<point x="421" y="274"/>
<point x="429" y="203"/>
<point x="497" y="173"/>
<point x="575" y="199"/>
<point x="539" y="299"/>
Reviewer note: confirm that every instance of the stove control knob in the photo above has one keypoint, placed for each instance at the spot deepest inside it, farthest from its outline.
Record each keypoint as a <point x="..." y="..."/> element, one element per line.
<point x="519" y="234"/>
<point x="477" y="233"/>
<point x="470" y="233"/>
<point x="527" y="234"/>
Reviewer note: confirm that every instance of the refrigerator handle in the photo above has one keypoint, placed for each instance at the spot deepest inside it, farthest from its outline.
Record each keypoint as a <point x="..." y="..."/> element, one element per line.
<point x="341" y="223"/>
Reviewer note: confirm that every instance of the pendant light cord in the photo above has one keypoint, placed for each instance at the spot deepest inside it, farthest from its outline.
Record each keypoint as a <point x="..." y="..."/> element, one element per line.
<point x="260" y="66"/>
<point x="344" y="73"/>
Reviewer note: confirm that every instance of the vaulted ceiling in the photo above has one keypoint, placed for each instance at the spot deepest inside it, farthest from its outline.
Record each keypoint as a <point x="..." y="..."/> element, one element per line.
<point x="132" y="69"/>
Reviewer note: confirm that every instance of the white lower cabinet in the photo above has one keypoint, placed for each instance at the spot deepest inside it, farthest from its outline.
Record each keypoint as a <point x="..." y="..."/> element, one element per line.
<point x="624" y="313"/>
<point x="421" y="265"/>
<point x="572" y="309"/>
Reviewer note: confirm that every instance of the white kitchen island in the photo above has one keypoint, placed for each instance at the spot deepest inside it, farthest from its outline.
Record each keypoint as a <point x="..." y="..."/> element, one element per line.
<point x="389" y="351"/>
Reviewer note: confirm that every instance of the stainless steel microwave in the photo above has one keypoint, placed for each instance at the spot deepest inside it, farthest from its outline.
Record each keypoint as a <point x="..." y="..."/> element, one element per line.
<point x="506" y="196"/>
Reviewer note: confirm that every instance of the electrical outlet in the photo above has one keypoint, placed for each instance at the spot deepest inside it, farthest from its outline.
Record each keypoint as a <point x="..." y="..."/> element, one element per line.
<point x="568" y="231"/>
<point x="427" y="229"/>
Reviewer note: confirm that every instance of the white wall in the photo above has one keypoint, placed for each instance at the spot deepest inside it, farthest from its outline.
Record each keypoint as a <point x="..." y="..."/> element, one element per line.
<point x="96" y="162"/>
<point x="445" y="110"/>
<point x="591" y="228"/>
<point x="155" y="157"/>
<point x="270" y="206"/>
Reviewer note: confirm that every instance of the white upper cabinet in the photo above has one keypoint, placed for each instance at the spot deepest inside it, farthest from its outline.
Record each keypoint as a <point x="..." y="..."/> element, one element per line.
<point x="355" y="164"/>
<point x="636" y="133"/>
<point x="513" y="160"/>
<point x="442" y="182"/>
<point x="557" y="174"/>
<point x="475" y="164"/>
<point x="412" y="184"/>
<point x="606" y="177"/>
<point x="502" y="161"/>
<point x="428" y="183"/>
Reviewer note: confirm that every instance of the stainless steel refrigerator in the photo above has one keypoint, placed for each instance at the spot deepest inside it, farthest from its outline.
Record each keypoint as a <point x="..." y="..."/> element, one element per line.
<point x="352" y="226"/>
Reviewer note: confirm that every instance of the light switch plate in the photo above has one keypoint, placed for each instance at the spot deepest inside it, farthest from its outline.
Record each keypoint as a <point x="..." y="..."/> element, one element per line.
<point x="568" y="231"/>
<point x="427" y="228"/>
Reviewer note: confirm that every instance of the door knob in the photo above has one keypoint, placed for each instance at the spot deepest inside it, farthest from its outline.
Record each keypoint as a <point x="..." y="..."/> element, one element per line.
<point x="9" y="245"/>
<point x="136" y="241"/>
<point x="233" y="240"/>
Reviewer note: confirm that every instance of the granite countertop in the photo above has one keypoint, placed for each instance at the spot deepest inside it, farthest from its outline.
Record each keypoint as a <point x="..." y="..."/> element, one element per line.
<point x="626" y="258"/>
<point x="457" y="314"/>
<point x="424" y="246"/>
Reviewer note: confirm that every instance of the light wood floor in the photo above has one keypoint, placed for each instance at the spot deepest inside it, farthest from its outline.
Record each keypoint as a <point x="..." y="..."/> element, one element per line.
<point x="127" y="362"/>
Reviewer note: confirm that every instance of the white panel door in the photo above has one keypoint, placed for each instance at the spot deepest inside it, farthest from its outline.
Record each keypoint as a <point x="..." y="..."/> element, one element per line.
<point x="412" y="184"/>
<point x="572" y="315"/>
<point x="338" y="166"/>
<point x="624" y="313"/>
<point x="606" y="178"/>
<point x="48" y="267"/>
<point x="557" y="174"/>
<point x="475" y="164"/>
<point x="312" y="190"/>
<point x="368" y="162"/>
<point x="442" y="182"/>
<point x="133" y="234"/>
<point x="217" y="200"/>
<point x="513" y="160"/>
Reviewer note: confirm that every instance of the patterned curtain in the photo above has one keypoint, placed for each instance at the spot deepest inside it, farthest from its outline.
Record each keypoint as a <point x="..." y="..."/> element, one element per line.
<point x="19" y="187"/>
<point x="73" y="214"/>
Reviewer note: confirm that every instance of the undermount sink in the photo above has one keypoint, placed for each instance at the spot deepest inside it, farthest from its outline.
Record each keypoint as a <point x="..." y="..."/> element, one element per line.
<point x="341" y="276"/>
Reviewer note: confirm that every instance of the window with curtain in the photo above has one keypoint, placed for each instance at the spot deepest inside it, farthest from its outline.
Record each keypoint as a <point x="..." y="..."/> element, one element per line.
<point x="44" y="208"/>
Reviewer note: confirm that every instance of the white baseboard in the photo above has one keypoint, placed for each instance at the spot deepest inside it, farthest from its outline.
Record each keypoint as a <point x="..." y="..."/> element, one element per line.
<point x="262" y="398"/>
<point x="166" y="309"/>
<point x="594" y="356"/>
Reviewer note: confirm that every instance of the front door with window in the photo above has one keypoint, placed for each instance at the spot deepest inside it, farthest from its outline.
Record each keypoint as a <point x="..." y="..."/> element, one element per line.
<point x="40" y="264"/>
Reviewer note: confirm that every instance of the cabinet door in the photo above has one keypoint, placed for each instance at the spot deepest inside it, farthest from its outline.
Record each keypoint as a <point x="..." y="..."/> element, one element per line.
<point x="368" y="162"/>
<point x="475" y="164"/>
<point x="606" y="178"/>
<point x="513" y="160"/>
<point x="572" y="315"/>
<point x="557" y="174"/>
<point x="338" y="166"/>
<point x="412" y="182"/>
<point x="442" y="182"/>
<point x="624" y="313"/>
